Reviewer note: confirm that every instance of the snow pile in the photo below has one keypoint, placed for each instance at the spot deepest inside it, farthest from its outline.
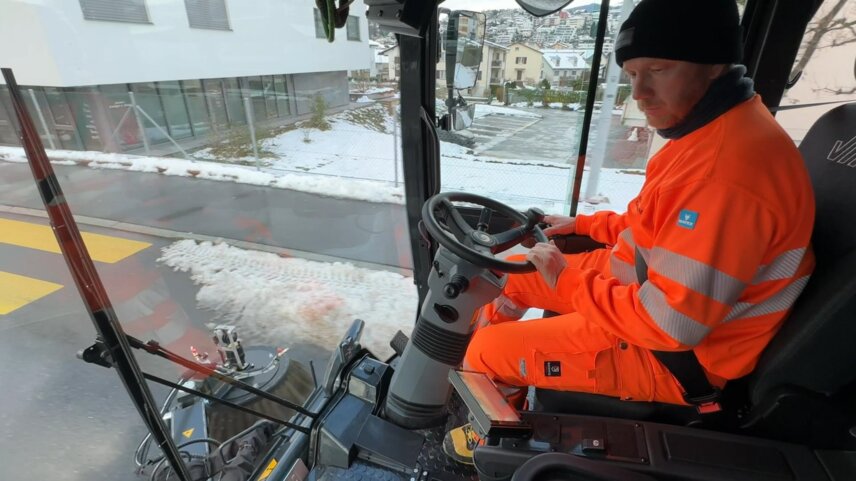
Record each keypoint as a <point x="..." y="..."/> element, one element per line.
<point x="378" y="90"/>
<point x="284" y="301"/>
<point x="325" y="185"/>
<point x="364" y="100"/>
<point x="483" y="110"/>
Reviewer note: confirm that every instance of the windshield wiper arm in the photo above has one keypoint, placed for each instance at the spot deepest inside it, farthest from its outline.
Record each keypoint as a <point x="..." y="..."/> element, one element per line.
<point x="215" y="399"/>
<point x="88" y="283"/>
<point x="153" y="347"/>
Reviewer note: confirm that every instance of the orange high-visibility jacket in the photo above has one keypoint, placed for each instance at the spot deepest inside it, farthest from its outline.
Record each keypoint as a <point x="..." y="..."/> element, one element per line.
<point x="723" y="222"/>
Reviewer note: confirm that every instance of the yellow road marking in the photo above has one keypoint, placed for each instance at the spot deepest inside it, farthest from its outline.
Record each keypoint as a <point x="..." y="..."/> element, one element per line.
<point x="102" y="248"/>
<point x="18" y="291"/>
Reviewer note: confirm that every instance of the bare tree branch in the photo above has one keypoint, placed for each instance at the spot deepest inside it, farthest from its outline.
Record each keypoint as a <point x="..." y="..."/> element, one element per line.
<point x="815" y="33"/>
<point x="840" y="91"/>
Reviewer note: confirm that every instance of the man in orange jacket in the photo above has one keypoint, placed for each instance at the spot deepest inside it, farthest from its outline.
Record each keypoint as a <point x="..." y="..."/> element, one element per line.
<point x="721" y="229"/>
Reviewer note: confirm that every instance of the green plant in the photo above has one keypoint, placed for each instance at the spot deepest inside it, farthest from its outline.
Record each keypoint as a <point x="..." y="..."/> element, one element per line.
<point x="319" y="113"/>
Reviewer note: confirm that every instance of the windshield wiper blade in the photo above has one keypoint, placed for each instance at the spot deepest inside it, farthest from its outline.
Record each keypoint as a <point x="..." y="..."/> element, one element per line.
<point x="88" y="283"/>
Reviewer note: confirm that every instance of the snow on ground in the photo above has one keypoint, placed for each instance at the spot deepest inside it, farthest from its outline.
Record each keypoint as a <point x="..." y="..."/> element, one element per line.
<point x="378" y="90"/>
<point x="364" y="100"/>
<point x="357" y="159"/>
<point x="288" y="300"/>
<point x="331" y="186"/>
<point x="483" y="110"/>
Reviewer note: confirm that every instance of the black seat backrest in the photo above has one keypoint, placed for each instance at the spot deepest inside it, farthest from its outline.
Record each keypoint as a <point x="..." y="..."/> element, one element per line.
<point x="816" y="347"/>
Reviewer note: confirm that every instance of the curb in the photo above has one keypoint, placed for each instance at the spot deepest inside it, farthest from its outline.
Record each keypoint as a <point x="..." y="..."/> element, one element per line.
<point x="176" y="235"/>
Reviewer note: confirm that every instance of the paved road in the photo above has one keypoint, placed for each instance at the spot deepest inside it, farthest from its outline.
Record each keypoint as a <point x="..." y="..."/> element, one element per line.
<point x="63" y="419"/>
<point x="554" y="137"/>
<point x="361" y="231"/>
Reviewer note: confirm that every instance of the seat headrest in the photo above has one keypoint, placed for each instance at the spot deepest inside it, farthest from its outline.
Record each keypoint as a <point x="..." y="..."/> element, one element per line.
<point x="829" y="150"/>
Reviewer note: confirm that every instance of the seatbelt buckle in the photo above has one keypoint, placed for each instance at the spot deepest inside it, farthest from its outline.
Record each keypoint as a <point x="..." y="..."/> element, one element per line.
<point x="707" y="403"/>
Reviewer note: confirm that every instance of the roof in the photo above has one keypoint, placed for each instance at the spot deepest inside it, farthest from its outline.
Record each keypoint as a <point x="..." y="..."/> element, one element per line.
<point x="519" y="44"/>
<point x="585" y="53"/>
<point x="564" y="60"/>
<point x="495" y="45"/>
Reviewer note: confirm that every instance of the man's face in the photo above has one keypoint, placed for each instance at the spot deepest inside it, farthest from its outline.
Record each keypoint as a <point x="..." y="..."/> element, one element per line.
<point x="666" y="90"/>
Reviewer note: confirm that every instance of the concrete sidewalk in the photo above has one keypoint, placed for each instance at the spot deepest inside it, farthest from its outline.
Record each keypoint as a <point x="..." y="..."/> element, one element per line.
<point x="262" y="218"/>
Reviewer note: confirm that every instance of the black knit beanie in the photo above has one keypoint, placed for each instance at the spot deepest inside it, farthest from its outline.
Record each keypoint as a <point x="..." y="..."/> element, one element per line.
<point x="698" y="31"/>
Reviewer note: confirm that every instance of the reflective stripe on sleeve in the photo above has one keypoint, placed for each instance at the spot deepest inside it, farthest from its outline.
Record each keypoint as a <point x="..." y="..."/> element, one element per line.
<point x="695" y="275"/>
<point x="678" y="325"/>
<point x="783" y="267"/>
<point x="778" y="302"/>
<point x="623" y="271"/>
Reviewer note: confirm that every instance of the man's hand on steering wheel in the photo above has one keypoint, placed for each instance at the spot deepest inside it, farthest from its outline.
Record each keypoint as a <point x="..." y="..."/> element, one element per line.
<point x="557" y="225"/>
<point x="549" y="261"/>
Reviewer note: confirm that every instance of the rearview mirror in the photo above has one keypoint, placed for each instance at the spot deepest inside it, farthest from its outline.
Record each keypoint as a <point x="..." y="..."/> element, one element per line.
<point x="541" y="8"/>
<point x="464" y="41"/>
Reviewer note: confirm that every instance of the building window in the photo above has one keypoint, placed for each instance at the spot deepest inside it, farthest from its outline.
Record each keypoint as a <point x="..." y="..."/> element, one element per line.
<point x="148" y="101"/>
<point x="208" y="14"/>
<point x="234" y="101"/>
<point x="353" y="27"/>
<point x="280" y="85"/>
<point x="197" y="106"/>
<point x="319" y="25"/>
<point x="175" y="109"/>
<point x="520" y="60"/>
<point x="133" y="11"/>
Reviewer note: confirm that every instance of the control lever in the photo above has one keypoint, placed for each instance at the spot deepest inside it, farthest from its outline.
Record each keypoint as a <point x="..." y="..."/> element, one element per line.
<point x="534" y="216"/>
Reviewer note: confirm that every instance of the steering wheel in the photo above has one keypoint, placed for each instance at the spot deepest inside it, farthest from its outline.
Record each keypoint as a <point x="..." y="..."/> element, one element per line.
<point x="477" y="246"/>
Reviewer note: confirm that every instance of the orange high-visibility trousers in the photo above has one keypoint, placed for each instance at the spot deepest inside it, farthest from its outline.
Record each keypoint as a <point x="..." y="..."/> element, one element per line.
<point x="564" y="352"/>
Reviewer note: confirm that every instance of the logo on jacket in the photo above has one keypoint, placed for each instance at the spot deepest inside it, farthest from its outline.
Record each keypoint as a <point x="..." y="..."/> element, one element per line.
<point x="553" y="368"/>
<point x="843" y="152"/>
<point x="687" y="219"/>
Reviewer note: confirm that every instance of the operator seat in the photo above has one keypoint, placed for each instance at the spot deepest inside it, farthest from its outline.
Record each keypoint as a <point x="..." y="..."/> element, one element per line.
<point x="795" y="391"/>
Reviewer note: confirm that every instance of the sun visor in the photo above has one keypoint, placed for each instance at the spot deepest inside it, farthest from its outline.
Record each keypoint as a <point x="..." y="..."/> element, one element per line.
<point x="407" y="17"/>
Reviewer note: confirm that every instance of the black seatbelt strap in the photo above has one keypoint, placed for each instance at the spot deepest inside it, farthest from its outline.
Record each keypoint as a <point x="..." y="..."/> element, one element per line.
<point x="684" y="365"/>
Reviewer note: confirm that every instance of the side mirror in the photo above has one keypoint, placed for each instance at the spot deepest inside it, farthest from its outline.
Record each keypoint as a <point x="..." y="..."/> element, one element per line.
<point x="462" y="116"/>
<point x="464" y="42"/>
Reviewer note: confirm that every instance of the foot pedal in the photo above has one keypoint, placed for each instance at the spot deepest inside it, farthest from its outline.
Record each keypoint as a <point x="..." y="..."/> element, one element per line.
<point x="399" y="342"/>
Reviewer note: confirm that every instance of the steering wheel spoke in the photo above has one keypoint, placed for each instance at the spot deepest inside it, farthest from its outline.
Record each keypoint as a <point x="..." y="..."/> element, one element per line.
<point x="476" y="246"/>
<point x="456" y="223"/>
<point x="508" y="239"/>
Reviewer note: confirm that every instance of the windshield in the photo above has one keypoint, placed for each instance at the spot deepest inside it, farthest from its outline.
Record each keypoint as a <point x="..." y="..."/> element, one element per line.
<point x="229" y="166"/>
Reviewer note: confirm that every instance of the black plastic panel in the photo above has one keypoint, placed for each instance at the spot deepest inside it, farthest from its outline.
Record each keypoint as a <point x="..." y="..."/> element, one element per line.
<point x="766" y="460"/>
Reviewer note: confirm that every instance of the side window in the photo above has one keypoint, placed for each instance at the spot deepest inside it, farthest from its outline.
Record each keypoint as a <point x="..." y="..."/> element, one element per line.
<point x="826" y="60"/>
<point x="132" y="11"/>
<point x="353" y="27"/>
<point x="319" y="27"/>
<point x="208" y="14"/>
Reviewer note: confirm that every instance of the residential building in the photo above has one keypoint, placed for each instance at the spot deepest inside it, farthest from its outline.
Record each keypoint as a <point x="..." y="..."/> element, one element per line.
<point x="393" y="56"/>
<point x="523" y="64"/>
<point x="491" y="69"/>
<point x="563" y="67"/>
<point x="380" y="62"/>
<point x="122" y="76"/>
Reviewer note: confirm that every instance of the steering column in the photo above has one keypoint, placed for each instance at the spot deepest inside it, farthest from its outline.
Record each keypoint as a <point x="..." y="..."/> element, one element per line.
<point x="465" y="276"/>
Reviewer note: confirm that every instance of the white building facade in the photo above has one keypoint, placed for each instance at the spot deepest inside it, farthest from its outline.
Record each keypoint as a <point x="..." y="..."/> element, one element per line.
<point x="187" y="64"/>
